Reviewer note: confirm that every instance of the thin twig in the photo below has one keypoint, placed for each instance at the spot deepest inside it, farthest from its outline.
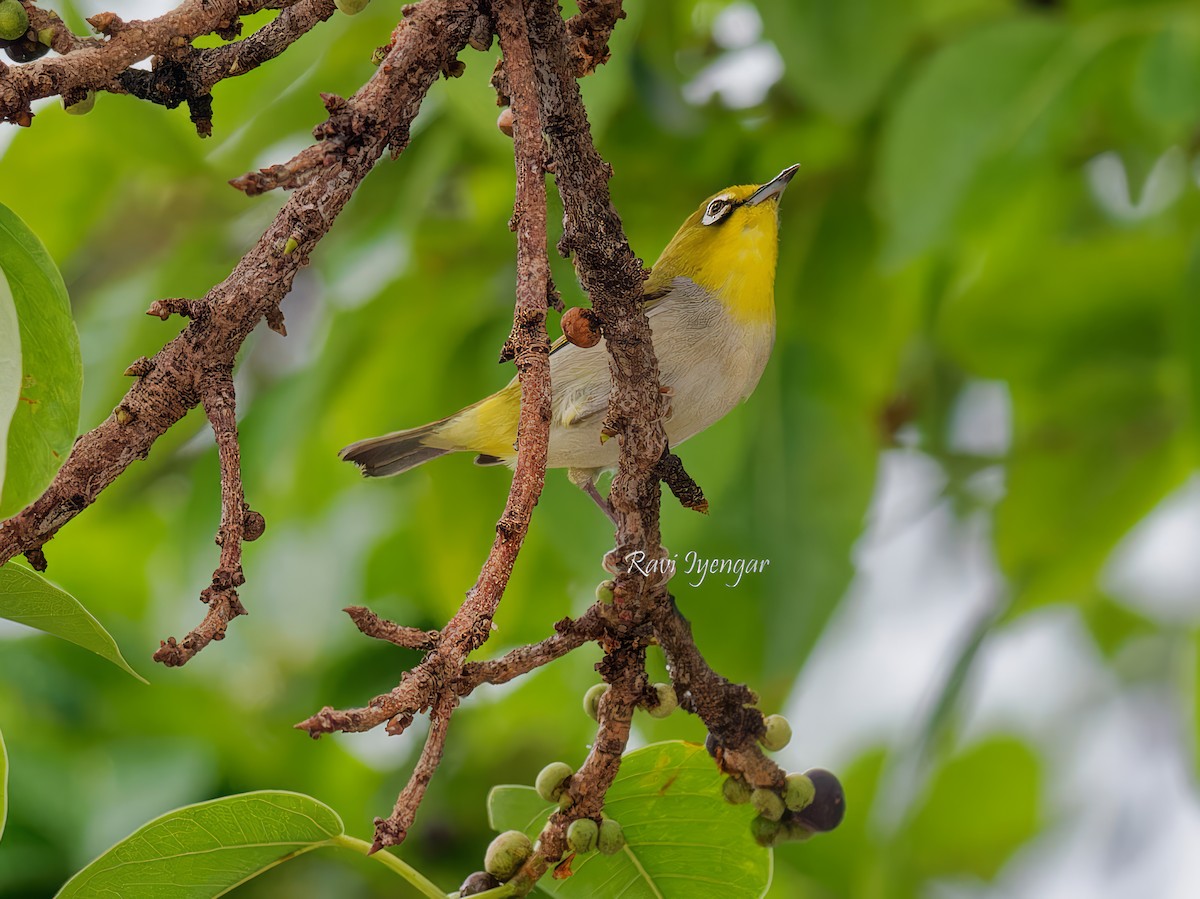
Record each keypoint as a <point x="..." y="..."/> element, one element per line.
<point x="382" y="629"/>
<point x="97" y="65"/>
<point x="221" y="595"/>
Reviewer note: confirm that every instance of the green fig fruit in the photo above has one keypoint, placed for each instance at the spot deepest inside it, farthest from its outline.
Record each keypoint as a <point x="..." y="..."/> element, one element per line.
<point x="611" y="839"/>
<point x="799" y="792"/>
<point x="768" y="803"/>
<point x="667" y="701"/>
<point x="582" y="835"/>
<point x="551" y="780"/>
<point x="778" y="733"/>
<point x="765" y="831"/>
<point x="591" y="700"/>
<point x="351" y="7"/>
<point x="14" y="21"/>
<point x="506" y="854"/>
<point x="736" y="791"/>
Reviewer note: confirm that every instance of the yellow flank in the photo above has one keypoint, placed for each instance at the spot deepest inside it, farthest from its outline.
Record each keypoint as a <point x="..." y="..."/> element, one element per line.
<point x="489" y="426"/>
<point x="735" y="261"/>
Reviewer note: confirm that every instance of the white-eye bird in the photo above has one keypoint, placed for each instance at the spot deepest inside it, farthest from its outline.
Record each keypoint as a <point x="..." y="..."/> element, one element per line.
<point x="710" y="300"/>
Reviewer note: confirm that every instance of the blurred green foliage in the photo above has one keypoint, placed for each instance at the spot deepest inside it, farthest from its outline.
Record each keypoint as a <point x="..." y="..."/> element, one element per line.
<point x="990" y="189"/>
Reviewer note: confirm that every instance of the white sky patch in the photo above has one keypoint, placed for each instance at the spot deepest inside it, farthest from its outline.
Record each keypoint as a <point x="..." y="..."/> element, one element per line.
<point x="1108" y="179"/>
<point x="981" y="422"/>
<point x="736" y="26"/>
<point x="746" y="71"/>
<point x="1156" y="569"/>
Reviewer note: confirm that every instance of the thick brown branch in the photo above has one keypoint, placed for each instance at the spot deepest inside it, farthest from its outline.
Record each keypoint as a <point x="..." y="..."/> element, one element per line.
<point x="613" y="277"/>
<point x="172" y="383"/>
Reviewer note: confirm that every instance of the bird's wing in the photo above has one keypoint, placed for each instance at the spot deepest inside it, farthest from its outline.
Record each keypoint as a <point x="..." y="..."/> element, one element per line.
<point x="586" y="372"/>
<point x="651" y="300"/>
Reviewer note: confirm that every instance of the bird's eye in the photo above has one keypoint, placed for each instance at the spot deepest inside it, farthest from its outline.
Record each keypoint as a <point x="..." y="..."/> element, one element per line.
<point x="716" y="211"/>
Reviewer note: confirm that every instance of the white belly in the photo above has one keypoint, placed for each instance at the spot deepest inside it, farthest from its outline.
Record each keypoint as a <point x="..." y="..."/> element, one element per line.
<point x="709" y="362"/>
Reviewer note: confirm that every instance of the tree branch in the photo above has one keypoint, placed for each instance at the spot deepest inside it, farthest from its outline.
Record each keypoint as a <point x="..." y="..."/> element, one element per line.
<point x="172" y="382"/>
<point x="86" y="64"/>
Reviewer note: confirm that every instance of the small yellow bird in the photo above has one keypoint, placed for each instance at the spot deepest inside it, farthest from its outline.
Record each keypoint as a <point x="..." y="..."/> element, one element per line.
<point x="710" y="300"/>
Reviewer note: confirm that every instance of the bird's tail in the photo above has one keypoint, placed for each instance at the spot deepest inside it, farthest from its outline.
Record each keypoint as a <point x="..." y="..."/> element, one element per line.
<point x="381" y="457"/>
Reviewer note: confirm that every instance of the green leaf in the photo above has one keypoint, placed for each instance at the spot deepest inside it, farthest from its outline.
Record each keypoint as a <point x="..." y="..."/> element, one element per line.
<point x="28" y="598"/>
<point x="43" y="425"/>
<point x="976" y="97"/>
<point x="207" y="849"/>
<point x="839" y="55"/>
<point x="981" y="807"/>
<point x="682" y="838"/>
<point x="1167" y="86"/>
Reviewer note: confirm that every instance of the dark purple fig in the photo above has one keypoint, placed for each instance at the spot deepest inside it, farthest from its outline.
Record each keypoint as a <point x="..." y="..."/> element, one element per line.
<point x="828" y="806"/>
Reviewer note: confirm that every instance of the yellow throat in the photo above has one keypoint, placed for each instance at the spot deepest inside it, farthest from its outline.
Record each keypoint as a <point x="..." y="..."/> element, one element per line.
<point x="729" y="246"/>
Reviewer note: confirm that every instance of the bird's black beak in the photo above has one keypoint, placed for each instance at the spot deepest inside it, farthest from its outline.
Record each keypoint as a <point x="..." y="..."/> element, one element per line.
<point x="774" y="187"/>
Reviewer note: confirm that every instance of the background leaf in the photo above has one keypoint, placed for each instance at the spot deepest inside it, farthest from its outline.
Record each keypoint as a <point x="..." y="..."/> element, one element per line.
<point x="28" y="598"/>
<point x="205" y="850"/>
<point x="682" y="837"/>
<point x="44" y="424"/>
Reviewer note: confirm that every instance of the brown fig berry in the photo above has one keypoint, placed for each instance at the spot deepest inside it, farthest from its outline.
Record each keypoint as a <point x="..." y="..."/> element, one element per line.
<point x="479" y="882"/>
<point x="828" y="806"/>
<point x="25" y="50"/>
<point x="581" y="327"/>
<point x="504" y="121"/>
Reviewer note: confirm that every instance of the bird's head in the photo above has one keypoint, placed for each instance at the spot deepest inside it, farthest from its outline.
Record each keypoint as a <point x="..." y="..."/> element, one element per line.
<point x="729" y="247"/>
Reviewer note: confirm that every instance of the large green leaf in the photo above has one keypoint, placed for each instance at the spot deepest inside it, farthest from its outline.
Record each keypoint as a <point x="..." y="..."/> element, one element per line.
<point x="28" y="598"/>
<point x="981" y="807"/>
<point x="205" y="850"/>
<point x="977" y="96"/>
<point x="840" y="55"/>
<point x="44" y="422"/>
<point x="683" y="839"/>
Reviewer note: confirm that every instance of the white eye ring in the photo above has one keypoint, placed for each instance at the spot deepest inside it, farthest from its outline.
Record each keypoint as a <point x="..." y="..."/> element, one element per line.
<point x="717" y="210"/>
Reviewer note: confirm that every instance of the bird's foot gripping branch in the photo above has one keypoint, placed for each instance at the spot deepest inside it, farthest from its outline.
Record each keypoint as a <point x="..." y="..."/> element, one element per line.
<point x="543" y="56"/>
